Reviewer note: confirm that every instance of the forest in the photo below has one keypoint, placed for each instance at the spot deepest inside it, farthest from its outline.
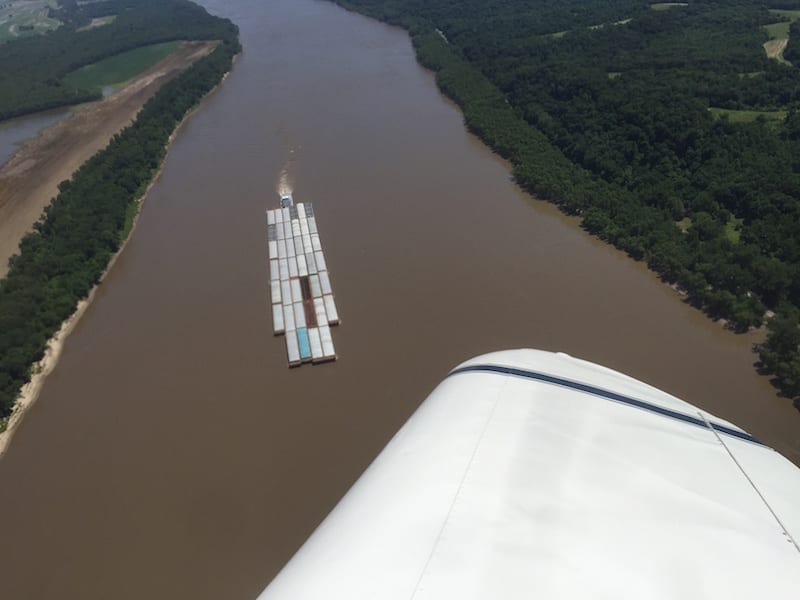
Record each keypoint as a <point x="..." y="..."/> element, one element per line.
<point x="664" y="126"/>
<point x="34" y="68"/>
<point x="65" y="255"/>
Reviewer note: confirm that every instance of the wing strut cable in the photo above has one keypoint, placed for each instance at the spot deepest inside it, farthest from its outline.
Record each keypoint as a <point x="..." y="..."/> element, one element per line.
<point x="752" y="483"/>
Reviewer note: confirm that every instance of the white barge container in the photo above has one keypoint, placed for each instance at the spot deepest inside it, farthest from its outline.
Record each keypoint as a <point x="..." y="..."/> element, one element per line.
<point x="302" y="301"/>
<point x="275" y="291"/>
<point x="286" y="293"/>
<point x="330" y="309"/>
<point x="316" y="345"/>
<point x="277" y="319"/>
<point x="292" y="349"/>
<point x="288" y="317"/>
<point x="325" y="282"/>
<point x="327" y="342"/>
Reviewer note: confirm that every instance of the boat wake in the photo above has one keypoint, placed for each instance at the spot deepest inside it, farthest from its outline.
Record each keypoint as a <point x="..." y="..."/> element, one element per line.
<point x="285" y="182"/>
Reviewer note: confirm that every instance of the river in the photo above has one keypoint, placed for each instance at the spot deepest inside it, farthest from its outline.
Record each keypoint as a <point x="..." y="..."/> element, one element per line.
<point x="173" y="455"/>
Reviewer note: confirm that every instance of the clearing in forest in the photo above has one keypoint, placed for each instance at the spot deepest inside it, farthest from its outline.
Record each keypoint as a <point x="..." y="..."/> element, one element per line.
<point x="733" y="229"/>
<point x="99" y="22"/>
<point x="775" y="48"/>
<point x="615" y="23"/>
<point x="747" y="116"/>
<point x="779" y="33"/>
<point x="667" y="5"/>
<point x="560" y="34"/>
<point x="789" y="14"/>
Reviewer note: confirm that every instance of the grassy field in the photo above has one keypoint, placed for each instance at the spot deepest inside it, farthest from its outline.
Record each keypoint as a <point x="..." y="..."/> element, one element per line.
<point x="747" y="116"/>
<point x="119" y="68"/>
<point x="23" y="18"/>
<point x="791" y="14"/>
<point x="667" y="5"/>
<point x="777" y="31"/>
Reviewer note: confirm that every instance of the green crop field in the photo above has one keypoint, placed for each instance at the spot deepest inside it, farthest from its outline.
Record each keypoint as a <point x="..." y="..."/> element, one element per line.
<point x="119" y="68"/>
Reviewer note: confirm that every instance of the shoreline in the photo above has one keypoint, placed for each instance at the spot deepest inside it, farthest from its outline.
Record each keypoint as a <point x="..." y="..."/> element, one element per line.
<point x="29" y="393"/>
<point x="29" y="178"/>
<point x="680" y="292"/>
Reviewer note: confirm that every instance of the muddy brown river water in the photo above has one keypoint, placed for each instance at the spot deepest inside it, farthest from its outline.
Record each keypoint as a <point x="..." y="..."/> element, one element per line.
<point x="173" y="455"/>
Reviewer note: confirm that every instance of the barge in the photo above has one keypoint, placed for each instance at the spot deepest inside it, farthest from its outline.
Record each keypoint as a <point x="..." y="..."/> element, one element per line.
<point x="303" y="306"/>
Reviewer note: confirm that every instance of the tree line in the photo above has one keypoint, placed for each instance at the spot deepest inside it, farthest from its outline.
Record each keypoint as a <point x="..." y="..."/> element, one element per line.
<point x="71" y="245"/>
<point x="670" y="132"/>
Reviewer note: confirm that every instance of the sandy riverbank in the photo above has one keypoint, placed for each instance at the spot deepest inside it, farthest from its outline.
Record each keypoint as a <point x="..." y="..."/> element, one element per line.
<point x="29" y="180"/>
<point x="30" y="391"/>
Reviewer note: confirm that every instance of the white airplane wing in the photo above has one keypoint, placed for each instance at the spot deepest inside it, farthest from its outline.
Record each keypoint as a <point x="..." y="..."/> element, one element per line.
<point x="529" y="474"/>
